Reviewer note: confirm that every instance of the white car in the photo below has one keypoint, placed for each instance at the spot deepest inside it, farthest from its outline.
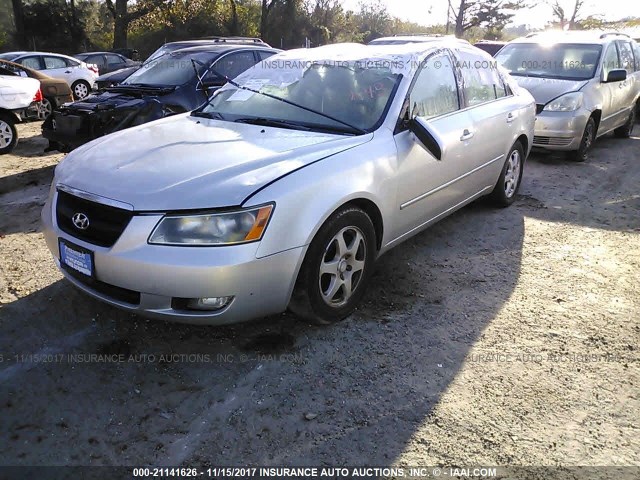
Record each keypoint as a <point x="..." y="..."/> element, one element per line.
<point x="80" y="76"/>
<point x="17" y="96"/>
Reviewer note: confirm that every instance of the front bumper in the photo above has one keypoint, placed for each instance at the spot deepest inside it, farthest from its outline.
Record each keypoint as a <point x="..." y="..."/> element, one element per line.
<point x="560" y="130"/>
<point x="147" y="279"/>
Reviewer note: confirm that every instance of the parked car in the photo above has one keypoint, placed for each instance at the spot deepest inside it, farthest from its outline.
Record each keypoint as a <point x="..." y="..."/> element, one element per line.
<point x="585" y="84"/>
<point x="107" y="61"/>
<point x="115" y="78"/>
<point x="20" y="99"/>
<point x="55" y="92"/>
<point x="80" y="76"/>
<point x="130" y="53"/>
<point x="490" y="46"/>
<point x="174" y="83"/>
<point x="286" y="186"/>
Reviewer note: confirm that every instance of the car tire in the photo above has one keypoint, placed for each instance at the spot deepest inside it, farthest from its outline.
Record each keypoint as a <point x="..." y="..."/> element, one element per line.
<point x="588" y="137"/>
<point x="81" y="89"/>
<point x="626" y="130"/>
<point x="504" y="193"/>
<point x="336" y="269"/>
<point x="8" y="133"/>
<point x="47" y="107"/>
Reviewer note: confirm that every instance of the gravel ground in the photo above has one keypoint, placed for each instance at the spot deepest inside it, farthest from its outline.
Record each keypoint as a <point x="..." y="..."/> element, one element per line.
<point x="497" y="337"/>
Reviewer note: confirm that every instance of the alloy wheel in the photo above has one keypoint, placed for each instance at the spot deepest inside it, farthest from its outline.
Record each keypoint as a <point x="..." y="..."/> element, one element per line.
<point x="512" y="175"/>
<point x="342" y="266"/>
<point x="6" y="134"/>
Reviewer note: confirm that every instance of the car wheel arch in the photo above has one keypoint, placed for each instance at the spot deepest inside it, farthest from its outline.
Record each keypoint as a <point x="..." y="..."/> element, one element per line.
<point x="597" y="116"/>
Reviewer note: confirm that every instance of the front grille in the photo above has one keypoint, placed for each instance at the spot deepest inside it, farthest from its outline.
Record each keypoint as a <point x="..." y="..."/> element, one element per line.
<point x="106" y="223"/>
<point x="552" y="141"/>
<point x="111" y="291"/>
<point x="539" y="108"/>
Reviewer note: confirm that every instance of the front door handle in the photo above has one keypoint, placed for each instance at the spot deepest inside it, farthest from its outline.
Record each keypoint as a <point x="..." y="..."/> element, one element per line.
<point x="466" y="135"/>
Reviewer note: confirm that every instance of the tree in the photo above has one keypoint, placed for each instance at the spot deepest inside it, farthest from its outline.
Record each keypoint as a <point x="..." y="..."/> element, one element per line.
<point x="18" y="21"/>
<point x="122" y="17"/>
<point x="491" y="14"/>
<point x="559" y="12"/>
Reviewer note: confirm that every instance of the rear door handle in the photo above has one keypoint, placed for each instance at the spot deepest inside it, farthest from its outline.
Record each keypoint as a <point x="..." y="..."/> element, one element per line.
<point x="466" y="135"/>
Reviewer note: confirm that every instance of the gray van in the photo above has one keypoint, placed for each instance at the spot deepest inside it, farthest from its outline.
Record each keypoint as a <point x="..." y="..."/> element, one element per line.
<point x="586" y="84"/>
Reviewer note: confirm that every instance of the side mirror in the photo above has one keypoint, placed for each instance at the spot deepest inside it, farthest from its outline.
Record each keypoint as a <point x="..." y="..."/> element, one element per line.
<point x="430" y="139"/>
<point x="617" y="75"/>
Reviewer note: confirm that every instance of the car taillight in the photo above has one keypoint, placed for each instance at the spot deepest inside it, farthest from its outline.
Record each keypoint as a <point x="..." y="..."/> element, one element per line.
<point x="94" y="68"/>
<point x="38" y="97"/>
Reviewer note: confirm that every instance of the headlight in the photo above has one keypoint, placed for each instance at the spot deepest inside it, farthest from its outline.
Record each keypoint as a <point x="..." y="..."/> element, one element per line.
<point x="566" y="103"/>
<point x="227" y="228"/>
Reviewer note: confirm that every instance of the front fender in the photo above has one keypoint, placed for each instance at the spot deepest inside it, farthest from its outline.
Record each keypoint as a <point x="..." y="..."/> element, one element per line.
<point x="306" y="198"/>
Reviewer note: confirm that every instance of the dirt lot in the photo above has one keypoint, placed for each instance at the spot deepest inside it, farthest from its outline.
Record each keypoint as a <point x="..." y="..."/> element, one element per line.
<point x="497" y="337"/>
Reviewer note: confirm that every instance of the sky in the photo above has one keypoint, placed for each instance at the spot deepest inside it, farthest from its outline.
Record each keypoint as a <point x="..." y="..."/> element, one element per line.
<point x="418" y="10"/>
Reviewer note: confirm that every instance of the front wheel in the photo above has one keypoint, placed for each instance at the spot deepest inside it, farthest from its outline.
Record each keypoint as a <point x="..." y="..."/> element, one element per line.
<point x="336" y="268"/>
<point x="80" y="89"/>
<point x="8" y="133"/>
<point x="504" y="193"/>
<point x="588" y="136"/>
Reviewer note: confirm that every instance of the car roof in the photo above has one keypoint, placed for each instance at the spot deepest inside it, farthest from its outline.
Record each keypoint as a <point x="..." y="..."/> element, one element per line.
<point x="218" y="48"/>
<point x="418" y="38"/>
<point x="221" y="40"/>
<point x="403" y="58"/>
<point x="583" y="37"/>
<point x="49" y="54"/>
<point x="98" y="53"/>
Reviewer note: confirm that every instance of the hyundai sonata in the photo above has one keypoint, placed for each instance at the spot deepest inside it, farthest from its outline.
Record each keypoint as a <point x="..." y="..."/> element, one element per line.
<point x="283" y="189"/>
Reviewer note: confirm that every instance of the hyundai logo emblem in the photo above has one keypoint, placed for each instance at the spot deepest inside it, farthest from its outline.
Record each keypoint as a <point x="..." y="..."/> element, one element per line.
<point x="80" y="220"/>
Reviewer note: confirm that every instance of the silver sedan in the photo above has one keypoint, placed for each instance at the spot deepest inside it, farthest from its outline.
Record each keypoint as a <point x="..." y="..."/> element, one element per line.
<point x="283" y="190"/>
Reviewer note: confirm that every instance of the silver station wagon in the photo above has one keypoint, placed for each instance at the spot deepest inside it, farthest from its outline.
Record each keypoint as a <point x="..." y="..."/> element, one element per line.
<point x="585" y="84"/>
<point x="286" y="186"/>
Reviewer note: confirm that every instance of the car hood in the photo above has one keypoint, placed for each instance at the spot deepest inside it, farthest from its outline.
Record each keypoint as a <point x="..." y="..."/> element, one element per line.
<point x="17" y="92"/>
<point x="546" y="89"/>
<point x="113" y="99"/>
<point x="184" y="162"/>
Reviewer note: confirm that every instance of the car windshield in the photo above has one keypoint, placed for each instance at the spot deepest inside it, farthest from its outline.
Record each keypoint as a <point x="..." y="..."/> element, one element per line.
<point x="347" y="92"/>
<point x="554" y="60"/>
<point x="170" y="70"/>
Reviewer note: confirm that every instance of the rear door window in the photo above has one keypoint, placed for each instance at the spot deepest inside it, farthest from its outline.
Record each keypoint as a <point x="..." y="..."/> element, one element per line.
<point x="481" y="80"/>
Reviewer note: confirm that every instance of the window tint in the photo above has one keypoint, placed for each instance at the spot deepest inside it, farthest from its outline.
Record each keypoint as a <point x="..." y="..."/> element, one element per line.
<point x="234" y="64"/>
<point x="626" y="56"/>
<point x="264" y="55"/>
<point x="610" y="61"/>
<point x="481" y="80"/>
<point x="54" y="62"/>
<point x="31" y="62"/>
<point x="435" y="91"/>
<point x="114" y="60"/>
<point x="95" y="59"/>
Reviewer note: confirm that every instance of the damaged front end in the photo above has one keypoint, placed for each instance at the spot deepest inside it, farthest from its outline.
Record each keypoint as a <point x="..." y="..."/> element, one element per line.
<point x="78" y="123"/>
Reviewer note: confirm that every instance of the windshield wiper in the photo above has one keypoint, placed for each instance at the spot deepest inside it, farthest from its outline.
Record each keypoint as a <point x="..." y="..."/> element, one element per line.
<point x="272" y="122"/>
<point x="212" y="115"/>
<point x="352" y="128"/>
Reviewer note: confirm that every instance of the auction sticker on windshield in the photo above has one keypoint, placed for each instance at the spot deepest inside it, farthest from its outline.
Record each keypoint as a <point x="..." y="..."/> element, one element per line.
<point x="76" y="258"/>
